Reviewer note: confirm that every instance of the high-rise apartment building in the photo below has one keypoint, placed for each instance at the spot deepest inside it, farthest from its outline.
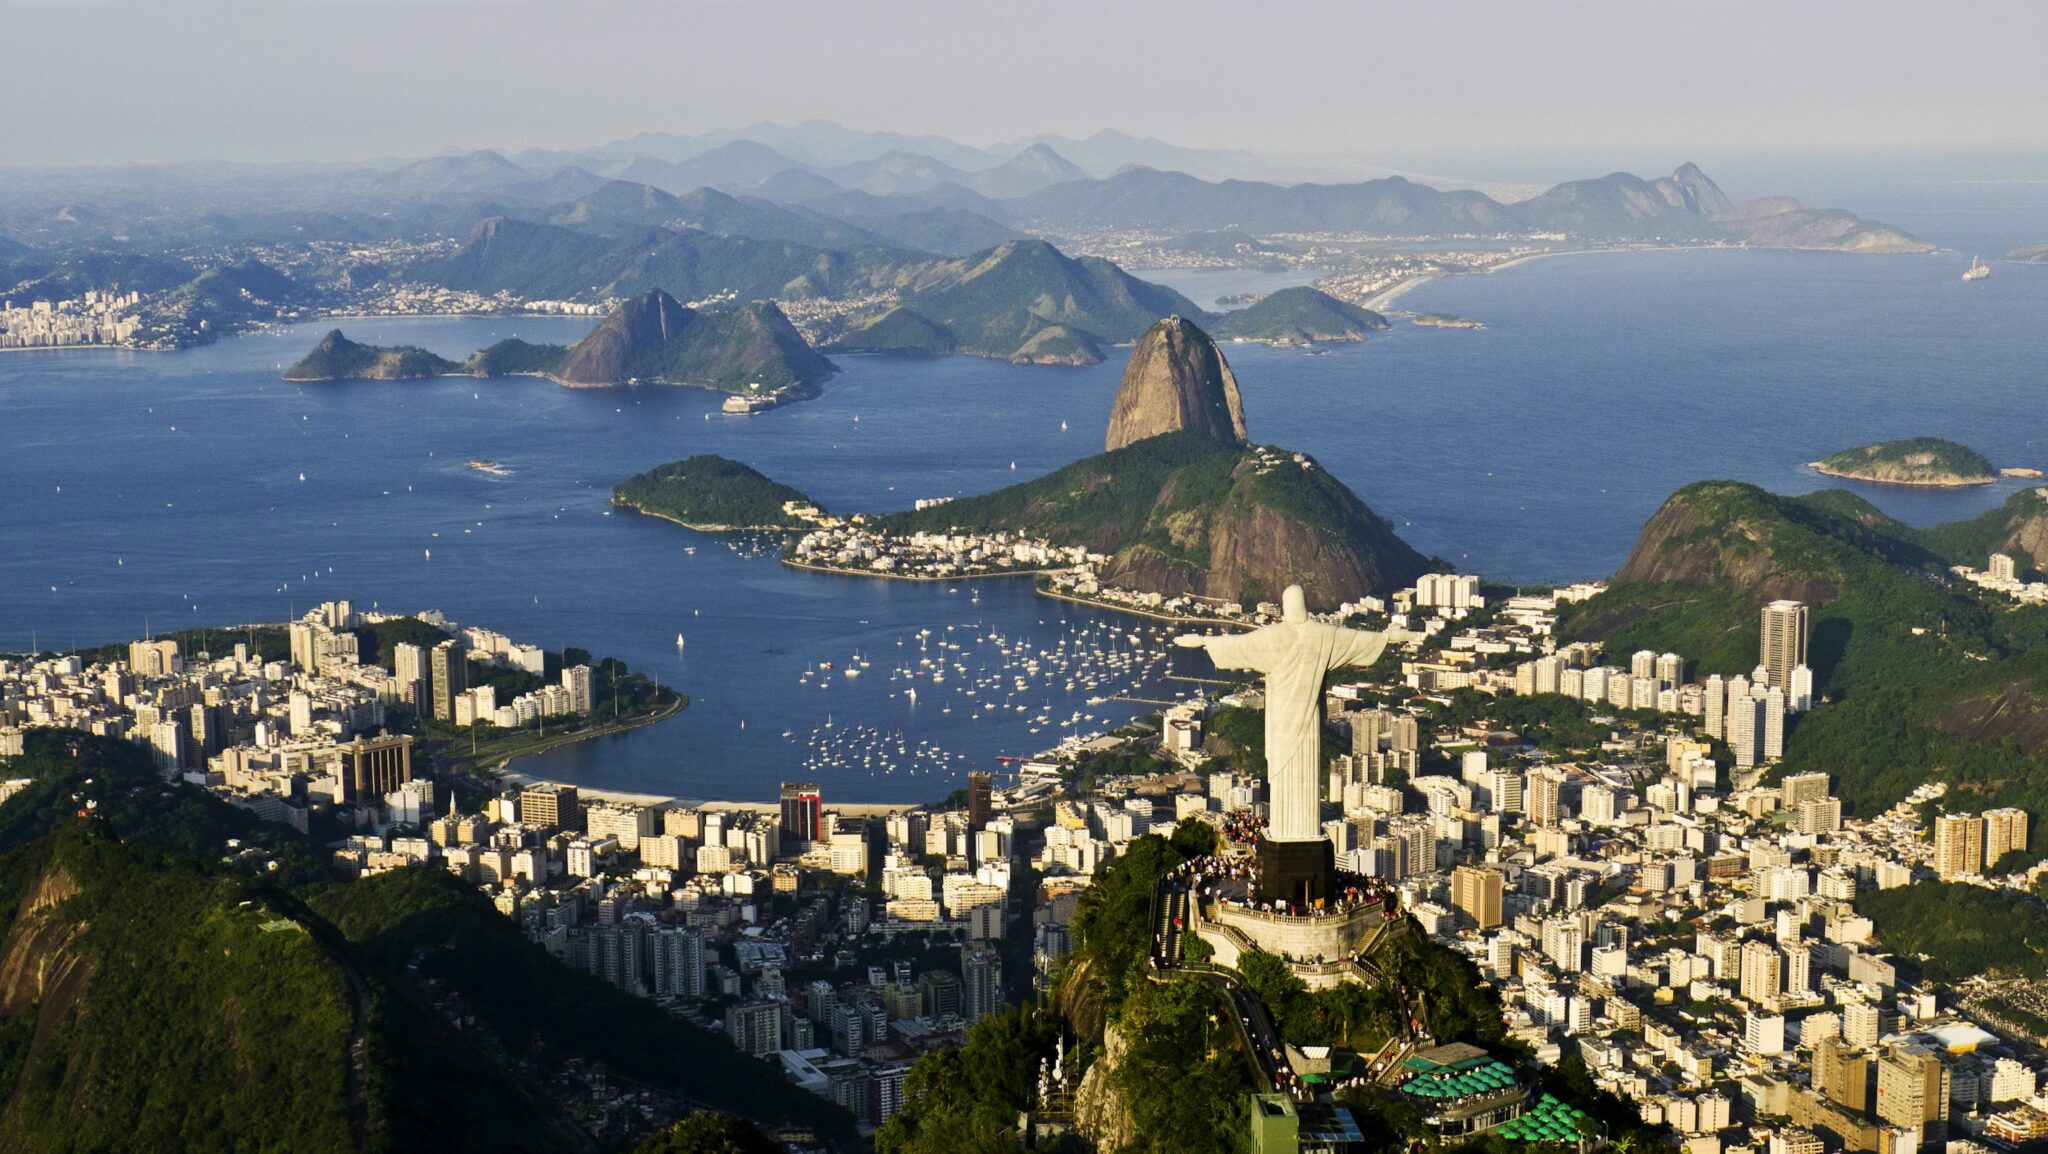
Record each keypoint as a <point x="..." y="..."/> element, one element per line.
<point x="1783" y="644"/>
<point x="1762" y="972"/>
<point x="803" y="817"/>
<point x="1801" y="787"/>
<point x="1958" y="845"/>
<point x="372" y="767"/>
<point x="2005" y="831"/>
<point x="1841" y="1073"/>
<point x="1912" y="1089"/>
<point x="1745" y="723"/>
<point x="576" y="680"/>
<point x="1543" y="800"/>
<point x="1772" y="739"/>
<point x="411" y="670"/>
<point x="545" y="806"/>
<point x="450" y="676"/>
<point x="981" y="983"/>
<point x="979" y="809"/>
<point x="1477" y="894"/>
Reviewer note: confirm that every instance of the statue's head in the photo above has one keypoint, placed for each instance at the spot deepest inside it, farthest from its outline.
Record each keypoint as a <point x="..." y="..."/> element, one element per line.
<point x="1294" y="605"/>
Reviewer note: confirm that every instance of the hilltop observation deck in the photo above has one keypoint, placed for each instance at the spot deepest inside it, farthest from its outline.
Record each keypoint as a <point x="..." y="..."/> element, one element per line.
<point x="1326" y="945"/>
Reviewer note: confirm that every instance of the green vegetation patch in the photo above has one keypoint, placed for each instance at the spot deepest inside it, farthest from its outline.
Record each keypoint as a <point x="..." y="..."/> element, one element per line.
<point x="1914" y="461"/>
<point x="1960" y="931"/>
<point x="711" y="492"/>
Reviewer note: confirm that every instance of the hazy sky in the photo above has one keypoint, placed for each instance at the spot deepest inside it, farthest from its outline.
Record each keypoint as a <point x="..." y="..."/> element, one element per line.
<point x="91" y="81"/>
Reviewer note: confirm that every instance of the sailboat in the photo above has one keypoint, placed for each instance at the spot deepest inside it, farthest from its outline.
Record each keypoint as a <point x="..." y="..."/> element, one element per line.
<point x="679" y="641"/>
<point x="1977" y="271"/>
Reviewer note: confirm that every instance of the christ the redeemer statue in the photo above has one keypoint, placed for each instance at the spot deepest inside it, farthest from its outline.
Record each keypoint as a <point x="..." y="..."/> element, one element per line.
<point x="1295" y="654"/>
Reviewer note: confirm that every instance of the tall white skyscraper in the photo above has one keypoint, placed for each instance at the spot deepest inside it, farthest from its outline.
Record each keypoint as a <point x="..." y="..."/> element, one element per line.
<point x="1774" y="723"/>
<point x="1670" y="670"/>
<point x="1716" y="703"/>
<point x="1744" y="720"/>
<point x="1799" y="695"/>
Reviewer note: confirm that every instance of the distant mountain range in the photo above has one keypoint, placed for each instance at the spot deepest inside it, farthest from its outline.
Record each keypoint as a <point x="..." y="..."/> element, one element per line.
<point x="921" y="202"/>
<point x="841" y="188"/>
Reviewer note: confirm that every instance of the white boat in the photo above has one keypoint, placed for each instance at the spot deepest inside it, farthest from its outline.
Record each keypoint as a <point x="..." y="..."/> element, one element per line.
<point x="679" y="641"/>
<point x="1977" y="271"/>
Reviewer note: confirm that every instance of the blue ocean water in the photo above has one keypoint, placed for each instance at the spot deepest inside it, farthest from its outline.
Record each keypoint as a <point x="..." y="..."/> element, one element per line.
<point x="163" y="490"/>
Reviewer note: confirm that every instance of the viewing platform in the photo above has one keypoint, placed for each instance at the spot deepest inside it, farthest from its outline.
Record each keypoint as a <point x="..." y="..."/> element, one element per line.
<point x="1320" y="948"/>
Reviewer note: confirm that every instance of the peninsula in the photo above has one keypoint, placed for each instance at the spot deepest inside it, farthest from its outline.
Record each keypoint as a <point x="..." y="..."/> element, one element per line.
<point x="1920" y="461"/>
<point x="1179" y="515"/>
<point x="715" y="494"/>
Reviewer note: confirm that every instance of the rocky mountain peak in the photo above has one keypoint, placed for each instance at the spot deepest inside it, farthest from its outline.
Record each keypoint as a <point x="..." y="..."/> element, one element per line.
<point x="1176" y="380"/>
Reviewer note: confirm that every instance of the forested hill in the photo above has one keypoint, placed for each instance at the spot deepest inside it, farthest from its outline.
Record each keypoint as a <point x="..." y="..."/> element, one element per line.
<point x="169" y="966"/>
<point x="1924" y="677"/>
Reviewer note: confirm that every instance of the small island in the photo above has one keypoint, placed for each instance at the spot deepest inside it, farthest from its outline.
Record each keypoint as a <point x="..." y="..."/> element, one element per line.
<point x="336" y="358"/>
<point x="1920" y="461"/>
<point x="2030" y="254"/>
<point x="717" y="494"/>
<point x="1446" y="321"/>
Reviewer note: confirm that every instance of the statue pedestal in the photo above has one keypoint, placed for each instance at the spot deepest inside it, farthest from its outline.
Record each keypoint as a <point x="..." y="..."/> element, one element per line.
<point x="1301" y="873"/>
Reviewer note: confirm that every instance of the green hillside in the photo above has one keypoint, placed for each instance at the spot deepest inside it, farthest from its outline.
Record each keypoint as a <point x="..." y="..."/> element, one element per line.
<point x="1179" y="513"/>
<point x="1298" y="316"/>
<point x="1916" y="461"/>
<point x="153" y="990"/>
<point x="996" y="302"/>
<point x="1926" y="677"/>
<point x="895" y="330"/>
<point x="710" y="492"/>
<point x="336" y="358"/>
<point x="515" y="358"/>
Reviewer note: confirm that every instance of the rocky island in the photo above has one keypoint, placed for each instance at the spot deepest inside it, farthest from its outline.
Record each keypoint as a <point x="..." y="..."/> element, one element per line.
<point x="1445" y="321"/>
<point x="336" y="358"/>
<point x="2029" y="254"/>
<point x="713" y="494"/>
<point x="1921" y="461"/>
<point x="651" y="339"/>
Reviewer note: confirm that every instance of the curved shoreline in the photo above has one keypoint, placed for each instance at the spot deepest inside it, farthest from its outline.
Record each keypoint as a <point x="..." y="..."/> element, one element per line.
<point x="882" y="575"/>
<point x="1113" y="607"/>
<point x="703" y="528"/>
<point x="501" y="765"/>
<point x="1963" y="483"/>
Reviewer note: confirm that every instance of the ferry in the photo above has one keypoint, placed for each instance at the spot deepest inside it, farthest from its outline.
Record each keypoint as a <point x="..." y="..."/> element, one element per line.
<point x="1978" y="270"/>
<point x="491" y="467"/>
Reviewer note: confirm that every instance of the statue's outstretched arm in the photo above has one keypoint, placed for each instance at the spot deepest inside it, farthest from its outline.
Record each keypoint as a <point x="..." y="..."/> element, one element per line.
<point x="1240" y="652"/>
